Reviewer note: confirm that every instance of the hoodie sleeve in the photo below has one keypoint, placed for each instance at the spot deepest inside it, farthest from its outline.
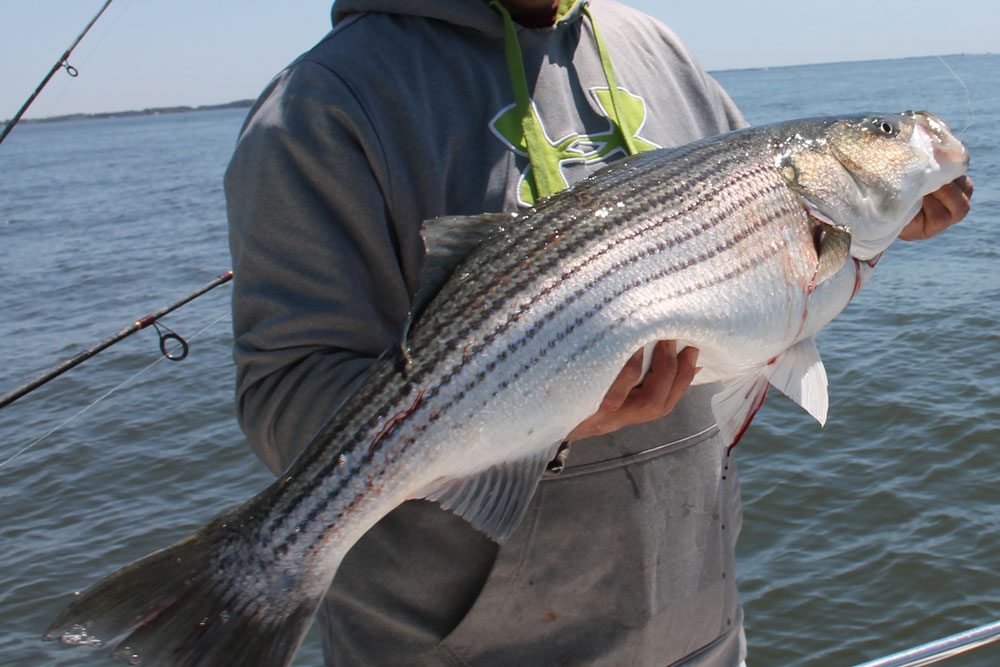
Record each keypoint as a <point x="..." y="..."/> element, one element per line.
<point x="733" y="116"/>
<point x="319" y="288"/>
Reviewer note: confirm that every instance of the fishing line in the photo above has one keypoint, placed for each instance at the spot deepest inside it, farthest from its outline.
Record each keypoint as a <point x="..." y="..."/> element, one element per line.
<point x="138" y="325"/>
<point x="108" y="393"/>
<point x="87" y="57"/>
<point x="110" y="28"/>
<point x="968" y="93"/>
<point x="63" y="62"/>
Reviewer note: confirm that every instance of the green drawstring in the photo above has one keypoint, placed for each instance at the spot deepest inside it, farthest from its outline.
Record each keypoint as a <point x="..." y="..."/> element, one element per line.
<point x="544" y="166"/>
<point x="609" y="74"/>
<point x="545" y="163"/>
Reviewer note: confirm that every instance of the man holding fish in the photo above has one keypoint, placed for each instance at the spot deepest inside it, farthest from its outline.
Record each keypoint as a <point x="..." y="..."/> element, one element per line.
<point x="403" y="114"/>
<point x="471" y="354"/>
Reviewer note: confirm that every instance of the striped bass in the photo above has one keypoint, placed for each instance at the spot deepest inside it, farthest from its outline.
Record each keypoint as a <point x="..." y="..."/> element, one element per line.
<point x="743" y="245"/>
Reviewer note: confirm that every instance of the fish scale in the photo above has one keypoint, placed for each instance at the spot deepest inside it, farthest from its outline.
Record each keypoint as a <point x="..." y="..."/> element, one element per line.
<point x="683" y="217"/>
<point x="743" y="245"/>
<point x="773" y="205"/>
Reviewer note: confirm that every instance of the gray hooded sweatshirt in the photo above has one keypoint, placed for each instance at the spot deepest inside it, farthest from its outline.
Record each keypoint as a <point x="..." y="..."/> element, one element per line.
<point x="413" y="109"/>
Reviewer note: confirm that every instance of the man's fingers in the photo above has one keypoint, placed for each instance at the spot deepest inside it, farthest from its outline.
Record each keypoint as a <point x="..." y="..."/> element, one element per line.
<point x="668" y="378"/>
<point x="620" y="388"/>
<point x="940" y="209"/>
<point x="955" y="197"/>
<point x="965" y="184"/>
<point x="687" y="362"/>
<point x="626" y="404"/>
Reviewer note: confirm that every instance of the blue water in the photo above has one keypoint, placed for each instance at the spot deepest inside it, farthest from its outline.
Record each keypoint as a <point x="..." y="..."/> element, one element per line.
<point x="875" y="533"/>
<point x="882" y="530"/>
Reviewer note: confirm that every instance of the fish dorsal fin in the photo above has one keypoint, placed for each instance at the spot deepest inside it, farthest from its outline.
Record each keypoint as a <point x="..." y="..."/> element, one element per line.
<point x="735" y="406"/>
<point x="833" y="242"/>
<point x="447" y="241"/>
<point x="799" y="373"/>
<point x="494" y="500"/>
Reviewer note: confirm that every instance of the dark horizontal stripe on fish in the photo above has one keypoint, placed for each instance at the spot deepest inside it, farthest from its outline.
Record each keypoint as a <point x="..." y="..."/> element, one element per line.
<point x="746" y="265"/>
<point x="686" y="234"/>
<point x="573" y="235"/>
<point x="622" y="265"/>
<point x="726" y="243"/>
<point x="593" y="232"/>
<point x="600" y="190"/>
<point x="750" y="262"/>
<point x="663" y="273"/>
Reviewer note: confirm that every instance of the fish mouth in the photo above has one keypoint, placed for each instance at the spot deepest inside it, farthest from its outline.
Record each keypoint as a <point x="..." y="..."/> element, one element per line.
<point x="944" y="158"/>
<point x="946" y="149"/>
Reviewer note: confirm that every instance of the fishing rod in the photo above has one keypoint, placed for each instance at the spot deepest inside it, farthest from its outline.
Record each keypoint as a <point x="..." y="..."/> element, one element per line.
<point x="63" y="62"/>
<point x="940" y="649"/>
<point x="147" y="321"/>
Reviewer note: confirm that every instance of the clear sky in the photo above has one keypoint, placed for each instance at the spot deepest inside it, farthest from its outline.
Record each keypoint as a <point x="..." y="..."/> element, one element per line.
<point x="149" y="53"/>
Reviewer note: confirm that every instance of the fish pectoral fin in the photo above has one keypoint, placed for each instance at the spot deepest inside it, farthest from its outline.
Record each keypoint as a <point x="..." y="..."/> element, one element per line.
<point x="494" y="500"/>
<point x="833" y="242"/>
<point x="799" y="373"/>
<point x="735" y="406"/>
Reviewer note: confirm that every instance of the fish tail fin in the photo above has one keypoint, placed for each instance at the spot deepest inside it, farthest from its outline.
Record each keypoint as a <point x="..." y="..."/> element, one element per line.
<point x="189" y="605"/>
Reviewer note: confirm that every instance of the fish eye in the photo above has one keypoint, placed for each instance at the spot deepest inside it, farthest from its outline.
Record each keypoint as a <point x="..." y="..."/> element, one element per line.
<point x="885" y="127"/>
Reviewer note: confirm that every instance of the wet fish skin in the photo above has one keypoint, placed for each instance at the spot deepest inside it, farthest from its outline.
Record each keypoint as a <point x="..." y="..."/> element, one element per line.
<point x="744" y="245"/>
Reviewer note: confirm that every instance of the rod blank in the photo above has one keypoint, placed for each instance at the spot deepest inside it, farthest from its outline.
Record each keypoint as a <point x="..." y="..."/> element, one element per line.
<point x="60" y="368"/>
<point x="941" y="649"/>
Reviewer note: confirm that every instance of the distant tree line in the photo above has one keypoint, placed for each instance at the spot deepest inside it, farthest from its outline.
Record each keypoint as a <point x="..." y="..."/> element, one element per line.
<point x="239" y="104"/>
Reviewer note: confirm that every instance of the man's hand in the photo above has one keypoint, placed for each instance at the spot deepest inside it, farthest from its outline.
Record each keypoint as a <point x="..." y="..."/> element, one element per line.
<point x="628" y="403"/>
<point x="941" y="209"/>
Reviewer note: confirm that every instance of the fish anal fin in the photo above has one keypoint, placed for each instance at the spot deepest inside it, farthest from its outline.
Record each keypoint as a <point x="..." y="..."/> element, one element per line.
<point x="736" y="404"/>
<point x="496" y="499"/>
<point x="799" y="373"/>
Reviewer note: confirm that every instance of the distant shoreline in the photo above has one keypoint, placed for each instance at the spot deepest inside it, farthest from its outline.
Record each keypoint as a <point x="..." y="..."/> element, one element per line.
<point x="239" y="104"/>
<point x="245" y="104"/>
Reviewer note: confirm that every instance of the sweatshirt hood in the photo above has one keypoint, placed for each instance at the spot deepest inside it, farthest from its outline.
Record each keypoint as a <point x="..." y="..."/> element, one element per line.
<point x="473" y="14"/>
<point x="493" y="20"/>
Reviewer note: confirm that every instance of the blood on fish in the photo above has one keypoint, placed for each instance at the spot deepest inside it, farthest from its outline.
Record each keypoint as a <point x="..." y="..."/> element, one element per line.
<point x="466" y="350"/>
<point x="391" y="423"/>
<point x="758" y="403"/>
<point x="858" y="280"/>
